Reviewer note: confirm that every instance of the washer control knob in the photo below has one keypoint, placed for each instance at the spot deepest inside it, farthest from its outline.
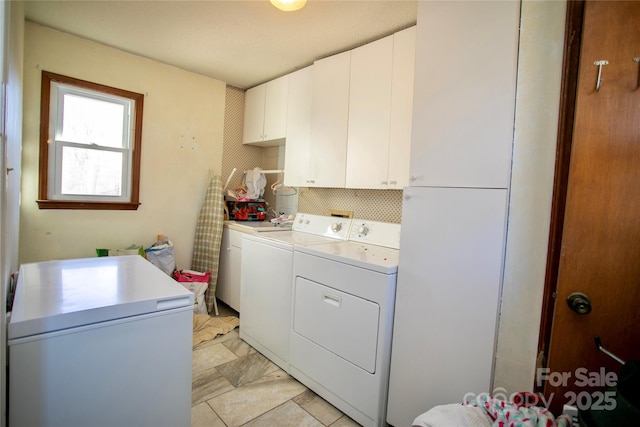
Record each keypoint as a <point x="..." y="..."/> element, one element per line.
<point x="336" y="227"/>
<point x="363" y="229"/>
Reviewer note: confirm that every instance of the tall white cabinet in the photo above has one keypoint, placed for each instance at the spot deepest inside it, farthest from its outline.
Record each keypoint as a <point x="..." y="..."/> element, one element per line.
<point x="454" y="212"/>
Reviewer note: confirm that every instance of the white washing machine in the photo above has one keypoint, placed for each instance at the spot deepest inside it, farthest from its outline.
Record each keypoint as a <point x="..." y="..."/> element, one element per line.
<point x="266" y="280"/>
<point x="342" y="319"/>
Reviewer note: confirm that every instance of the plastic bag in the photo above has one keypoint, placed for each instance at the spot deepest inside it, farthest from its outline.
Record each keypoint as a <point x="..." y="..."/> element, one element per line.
<point x="161" y="255"/>
<point x="197" y="283"/>
<point x="255" y="181"/>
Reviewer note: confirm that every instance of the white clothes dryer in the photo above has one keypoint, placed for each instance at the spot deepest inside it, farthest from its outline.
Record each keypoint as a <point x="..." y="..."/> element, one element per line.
<point x="342" y="319"/>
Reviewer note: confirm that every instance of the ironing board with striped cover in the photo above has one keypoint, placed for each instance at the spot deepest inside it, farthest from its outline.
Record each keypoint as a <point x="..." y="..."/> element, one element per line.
<point x="206" y="247"/>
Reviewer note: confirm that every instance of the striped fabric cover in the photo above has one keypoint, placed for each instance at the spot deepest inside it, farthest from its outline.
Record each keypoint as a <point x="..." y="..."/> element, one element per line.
<point x="206" y="247"/>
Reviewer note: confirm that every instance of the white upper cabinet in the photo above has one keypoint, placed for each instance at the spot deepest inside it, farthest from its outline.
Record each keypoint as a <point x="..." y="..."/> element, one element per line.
<point x="404" y="55"/>
<point x="347" y="118"/>
<point x="369" y="115"/>
<point x="253" y="129"/>
<point x="464" y="101"/>
<point x="275" y="109"/>
<point x="329" y="119"/>
<point x="380" y="112"/>
<point x="265" y="113"/>
<point x="296" y="159"/>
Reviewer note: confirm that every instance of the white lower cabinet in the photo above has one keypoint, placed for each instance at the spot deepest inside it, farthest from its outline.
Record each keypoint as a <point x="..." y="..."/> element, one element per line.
<point x="447" y="297"/>
<point x="228" y="287"/>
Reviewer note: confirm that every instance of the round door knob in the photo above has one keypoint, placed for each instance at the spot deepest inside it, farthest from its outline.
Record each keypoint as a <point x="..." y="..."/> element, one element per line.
<point x="336" y="227"/>
<point x="579" y="302"/>
<point x="363" y="230"/>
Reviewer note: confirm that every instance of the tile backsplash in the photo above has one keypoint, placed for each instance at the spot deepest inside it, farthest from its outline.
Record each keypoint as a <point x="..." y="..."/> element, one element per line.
<point x="373" y="205"/>
<point x="234" y="153"/>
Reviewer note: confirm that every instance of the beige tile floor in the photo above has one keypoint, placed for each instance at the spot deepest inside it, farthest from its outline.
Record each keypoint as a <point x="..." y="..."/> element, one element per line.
<point x="234" y="385"/>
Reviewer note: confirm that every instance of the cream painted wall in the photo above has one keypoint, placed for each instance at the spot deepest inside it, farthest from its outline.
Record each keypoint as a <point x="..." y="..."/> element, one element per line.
<point x="536" y="122"/>
<point x="182" y="141"/>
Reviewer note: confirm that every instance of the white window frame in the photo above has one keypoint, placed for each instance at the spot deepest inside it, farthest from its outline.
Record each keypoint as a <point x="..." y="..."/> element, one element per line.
<point x="54" y="88"/>
<point x="57" y="144"/>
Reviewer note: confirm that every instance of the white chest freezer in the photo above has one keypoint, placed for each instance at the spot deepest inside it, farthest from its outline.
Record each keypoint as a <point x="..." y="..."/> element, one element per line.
<point x="99" y="342"/>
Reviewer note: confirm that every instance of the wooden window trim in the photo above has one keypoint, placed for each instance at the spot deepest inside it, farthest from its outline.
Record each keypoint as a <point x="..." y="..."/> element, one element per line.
<point x="45" y="97"/>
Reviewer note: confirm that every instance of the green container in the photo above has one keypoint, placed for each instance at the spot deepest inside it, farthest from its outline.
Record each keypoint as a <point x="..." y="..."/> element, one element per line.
<point x="102" y="252"/>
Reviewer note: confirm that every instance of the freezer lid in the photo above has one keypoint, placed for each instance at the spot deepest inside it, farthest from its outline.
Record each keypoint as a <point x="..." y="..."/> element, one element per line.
<point x="57" y="295"/>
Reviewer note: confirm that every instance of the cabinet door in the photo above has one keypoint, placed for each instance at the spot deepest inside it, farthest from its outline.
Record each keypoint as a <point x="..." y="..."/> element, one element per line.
<point x="275" y="109"/>
<point x="235" y="289"/>
<point x="329" y="118"/>
<point x="466" y="61"/>
<point x="369" y="115"/>
<point x="228" y="286"/>
<point x="296" y="159"/>
<point x="254" y="114"/>
<point x="451" y="252"/>
<point x="404" y="53"/>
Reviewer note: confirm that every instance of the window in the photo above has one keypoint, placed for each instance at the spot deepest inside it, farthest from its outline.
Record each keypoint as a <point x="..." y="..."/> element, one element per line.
<point x="90" y="141"/>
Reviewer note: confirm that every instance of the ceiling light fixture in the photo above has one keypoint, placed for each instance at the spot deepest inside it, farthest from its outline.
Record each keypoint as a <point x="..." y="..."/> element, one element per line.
<point x="288" y="5"/>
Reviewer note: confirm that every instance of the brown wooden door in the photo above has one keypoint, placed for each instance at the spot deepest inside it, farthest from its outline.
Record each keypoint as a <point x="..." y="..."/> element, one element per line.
<point x="600" y="250"/>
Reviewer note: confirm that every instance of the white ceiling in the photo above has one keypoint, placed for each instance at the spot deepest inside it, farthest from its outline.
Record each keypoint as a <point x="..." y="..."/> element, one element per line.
<point x="240" y="42"/>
